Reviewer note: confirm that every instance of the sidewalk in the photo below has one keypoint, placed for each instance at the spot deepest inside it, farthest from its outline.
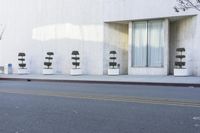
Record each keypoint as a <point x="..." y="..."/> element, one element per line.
<point x="122" y="79"/>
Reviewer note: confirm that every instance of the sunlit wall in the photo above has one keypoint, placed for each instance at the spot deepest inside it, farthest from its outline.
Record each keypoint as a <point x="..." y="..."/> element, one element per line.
<point x="60" y="26"/>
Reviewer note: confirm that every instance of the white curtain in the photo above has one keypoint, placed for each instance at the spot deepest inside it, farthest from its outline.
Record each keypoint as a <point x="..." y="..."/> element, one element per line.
<point x="148" y="44"/>
<point x="139" y="50"/>
<point x="155" y="43"/>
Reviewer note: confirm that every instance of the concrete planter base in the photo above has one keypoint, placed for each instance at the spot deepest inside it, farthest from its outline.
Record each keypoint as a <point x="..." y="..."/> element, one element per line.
<point x="22" y="71"/>
<point x="113" y="72"/>
<point x="75" y="72"/>
<point x="48" y="71"/>
<point x="181" y="72"/>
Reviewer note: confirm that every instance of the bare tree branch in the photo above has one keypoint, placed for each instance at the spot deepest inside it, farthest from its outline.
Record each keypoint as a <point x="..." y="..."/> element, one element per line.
<point x="183" y="5"/>
<point x="2" y="30"/>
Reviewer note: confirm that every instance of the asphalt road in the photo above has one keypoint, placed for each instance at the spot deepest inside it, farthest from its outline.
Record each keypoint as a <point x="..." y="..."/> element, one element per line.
<point x="44" y="107"/>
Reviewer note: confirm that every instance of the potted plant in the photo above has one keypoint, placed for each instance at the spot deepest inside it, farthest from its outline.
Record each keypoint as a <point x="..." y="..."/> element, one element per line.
<point x="113" y="66"/>
<point x="22" y="65"/>
<point x="180" y="64"/>
<point x="76" y="63"/>
<point x="48" y="64"/>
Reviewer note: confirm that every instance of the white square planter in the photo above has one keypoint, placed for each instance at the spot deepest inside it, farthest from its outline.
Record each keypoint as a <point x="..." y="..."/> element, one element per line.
<point x="113" y="72"/>
<point x="181" y="72"/>
<point x="22" y="71"/>
<point x="48" y="71"/>
<point x="75" y="72"/>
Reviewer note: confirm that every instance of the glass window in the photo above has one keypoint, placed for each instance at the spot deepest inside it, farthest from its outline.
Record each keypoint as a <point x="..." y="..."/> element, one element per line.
<point x="139" y="44"/>
<point x="148" y="44"/>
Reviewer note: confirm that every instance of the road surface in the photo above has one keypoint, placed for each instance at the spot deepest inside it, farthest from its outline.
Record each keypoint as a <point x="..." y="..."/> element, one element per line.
<point x="50" y="107"/>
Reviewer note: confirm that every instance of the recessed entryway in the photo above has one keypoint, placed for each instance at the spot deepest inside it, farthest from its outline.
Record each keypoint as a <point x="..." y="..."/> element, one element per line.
<point x="116" y="38"/>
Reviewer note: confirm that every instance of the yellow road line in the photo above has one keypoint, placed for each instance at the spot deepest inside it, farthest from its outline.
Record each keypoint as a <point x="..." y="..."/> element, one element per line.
<point x="128" y="99"/>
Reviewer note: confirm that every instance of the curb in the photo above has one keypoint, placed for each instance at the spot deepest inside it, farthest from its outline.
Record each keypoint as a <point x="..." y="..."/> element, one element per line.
<point x="105" y="82"/>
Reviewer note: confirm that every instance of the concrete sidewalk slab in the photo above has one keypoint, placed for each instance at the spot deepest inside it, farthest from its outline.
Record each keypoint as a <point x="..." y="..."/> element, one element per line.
<point x="122" y="79"/>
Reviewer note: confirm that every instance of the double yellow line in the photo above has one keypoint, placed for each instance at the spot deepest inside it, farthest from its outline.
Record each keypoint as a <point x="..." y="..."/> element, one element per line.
<point x="100" y="97"/>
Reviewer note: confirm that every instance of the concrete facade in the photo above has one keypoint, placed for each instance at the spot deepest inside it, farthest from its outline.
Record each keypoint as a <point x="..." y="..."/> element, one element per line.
<point x="183" y="30"/>
<point x="94" y="27"/>
<point x="59" y="26"/>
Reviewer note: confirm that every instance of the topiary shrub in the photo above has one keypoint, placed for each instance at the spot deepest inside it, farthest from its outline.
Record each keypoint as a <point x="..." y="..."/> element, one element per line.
<point x="179" y="63"/>
<point x="75" y="59"/>
<point x="21" y="58"/>
<point x="113" y="58"/>
<point x="49" y="59"/>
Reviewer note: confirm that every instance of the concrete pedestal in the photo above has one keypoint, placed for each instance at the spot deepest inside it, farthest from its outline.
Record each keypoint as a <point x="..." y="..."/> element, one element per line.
<point x="22" y="71"/>
<point x="48" y="71"/>
<point x="75" y="72"/>
<point x="113" y="72"/>
<point x="181" y="72"/>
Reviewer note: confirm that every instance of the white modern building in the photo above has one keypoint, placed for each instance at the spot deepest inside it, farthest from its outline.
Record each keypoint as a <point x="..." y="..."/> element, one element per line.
<point x="145" y="34"/>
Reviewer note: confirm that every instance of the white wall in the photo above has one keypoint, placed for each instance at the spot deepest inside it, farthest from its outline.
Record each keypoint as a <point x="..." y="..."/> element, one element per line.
<point x="116" y="10"/>
<point x="196" y="47"/>
<point x="60" y="26"/>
